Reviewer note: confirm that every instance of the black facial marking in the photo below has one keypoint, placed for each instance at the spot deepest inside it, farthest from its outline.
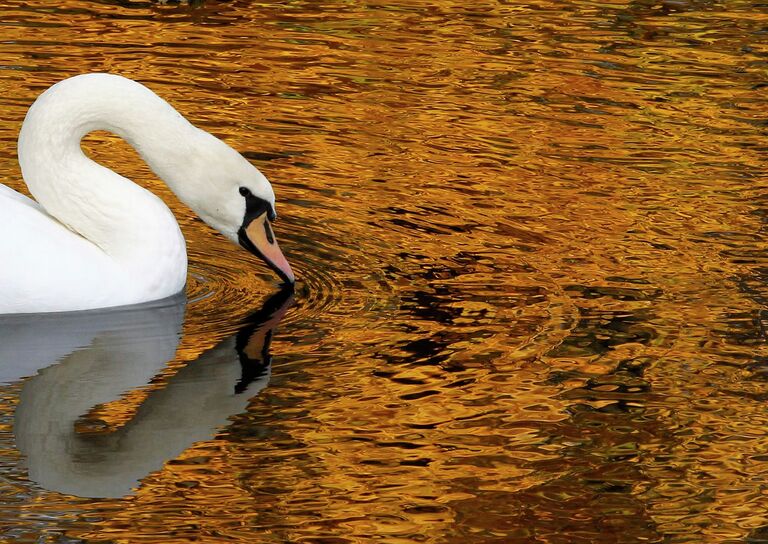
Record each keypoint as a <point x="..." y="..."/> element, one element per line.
<point x="269" y="233"/>
<point x="255" y="206"/>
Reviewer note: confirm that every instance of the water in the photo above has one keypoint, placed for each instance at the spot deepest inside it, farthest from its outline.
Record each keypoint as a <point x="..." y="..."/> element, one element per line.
<point x="530" y="239"/>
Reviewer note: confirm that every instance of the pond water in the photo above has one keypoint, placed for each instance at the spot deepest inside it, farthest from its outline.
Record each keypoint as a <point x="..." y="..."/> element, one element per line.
<point x="531" y="249"/>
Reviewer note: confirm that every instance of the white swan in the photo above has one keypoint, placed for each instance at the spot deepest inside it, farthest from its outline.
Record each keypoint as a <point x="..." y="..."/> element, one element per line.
<point x="94" y="239"/>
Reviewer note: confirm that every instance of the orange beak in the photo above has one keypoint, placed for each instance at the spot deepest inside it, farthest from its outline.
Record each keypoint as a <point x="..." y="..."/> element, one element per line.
<point x="258" y="238"/>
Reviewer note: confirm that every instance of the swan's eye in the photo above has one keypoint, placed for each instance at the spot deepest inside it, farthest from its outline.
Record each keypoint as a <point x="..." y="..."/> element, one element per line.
<point x="245" y="191"/>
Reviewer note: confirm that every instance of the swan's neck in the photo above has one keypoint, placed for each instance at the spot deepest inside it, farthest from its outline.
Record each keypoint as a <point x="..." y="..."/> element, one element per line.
<point x="130" y="224"/>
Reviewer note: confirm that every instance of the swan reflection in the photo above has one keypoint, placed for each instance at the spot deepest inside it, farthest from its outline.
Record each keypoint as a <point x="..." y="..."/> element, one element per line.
<point x="101" y="355"/>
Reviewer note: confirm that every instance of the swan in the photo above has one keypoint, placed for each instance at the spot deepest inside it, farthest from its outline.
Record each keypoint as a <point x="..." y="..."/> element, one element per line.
<point x="93" y="238"/>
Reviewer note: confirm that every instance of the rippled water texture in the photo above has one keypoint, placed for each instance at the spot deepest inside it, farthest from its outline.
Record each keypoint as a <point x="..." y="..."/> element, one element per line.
<point x="530" y="238"/>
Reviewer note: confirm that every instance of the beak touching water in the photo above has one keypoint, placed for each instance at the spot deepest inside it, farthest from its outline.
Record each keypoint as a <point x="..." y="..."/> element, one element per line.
<point x="258" y="238"/>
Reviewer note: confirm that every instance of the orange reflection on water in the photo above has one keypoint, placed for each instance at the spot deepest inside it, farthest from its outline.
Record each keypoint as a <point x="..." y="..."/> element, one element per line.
<point x="530" y="247"/>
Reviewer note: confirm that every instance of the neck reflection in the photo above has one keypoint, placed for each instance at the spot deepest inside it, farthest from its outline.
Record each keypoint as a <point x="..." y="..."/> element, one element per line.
<point x="63" y="454"/>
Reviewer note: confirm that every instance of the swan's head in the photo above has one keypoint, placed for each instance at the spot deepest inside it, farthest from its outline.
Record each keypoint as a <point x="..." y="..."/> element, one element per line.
<point x="233" y="197"/>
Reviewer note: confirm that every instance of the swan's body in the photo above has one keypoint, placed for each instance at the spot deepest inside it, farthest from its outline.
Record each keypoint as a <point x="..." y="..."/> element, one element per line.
<point x="95" y="239"/>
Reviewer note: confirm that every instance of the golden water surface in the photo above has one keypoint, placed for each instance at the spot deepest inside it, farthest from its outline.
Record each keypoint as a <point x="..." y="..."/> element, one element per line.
<point x="530" y="242"/>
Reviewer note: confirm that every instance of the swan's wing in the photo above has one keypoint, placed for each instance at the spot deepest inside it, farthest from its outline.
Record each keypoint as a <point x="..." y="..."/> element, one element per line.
<point x="44" y="265"/>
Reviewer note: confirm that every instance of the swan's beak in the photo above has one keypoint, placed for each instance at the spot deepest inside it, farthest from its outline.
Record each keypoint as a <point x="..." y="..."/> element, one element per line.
<point x="258" y="238"/>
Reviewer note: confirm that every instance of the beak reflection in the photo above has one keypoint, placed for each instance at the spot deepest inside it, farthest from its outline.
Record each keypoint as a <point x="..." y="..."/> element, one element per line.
<point x="258" y="238"/>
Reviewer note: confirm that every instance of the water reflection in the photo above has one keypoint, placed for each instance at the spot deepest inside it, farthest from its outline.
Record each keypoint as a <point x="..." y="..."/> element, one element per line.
<point x="68" y="448"/>
<point x="532" y="238"/>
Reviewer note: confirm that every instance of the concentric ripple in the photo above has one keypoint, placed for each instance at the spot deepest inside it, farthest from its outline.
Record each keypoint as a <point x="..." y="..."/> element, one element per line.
<point x="333" y="279"/>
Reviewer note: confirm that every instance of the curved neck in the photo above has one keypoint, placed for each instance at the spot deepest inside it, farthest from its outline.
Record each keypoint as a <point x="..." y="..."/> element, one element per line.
<point x="127" y="222"/>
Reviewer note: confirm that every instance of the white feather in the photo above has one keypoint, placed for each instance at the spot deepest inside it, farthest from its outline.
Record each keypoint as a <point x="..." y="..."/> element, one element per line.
<point x="95" y="239"/>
